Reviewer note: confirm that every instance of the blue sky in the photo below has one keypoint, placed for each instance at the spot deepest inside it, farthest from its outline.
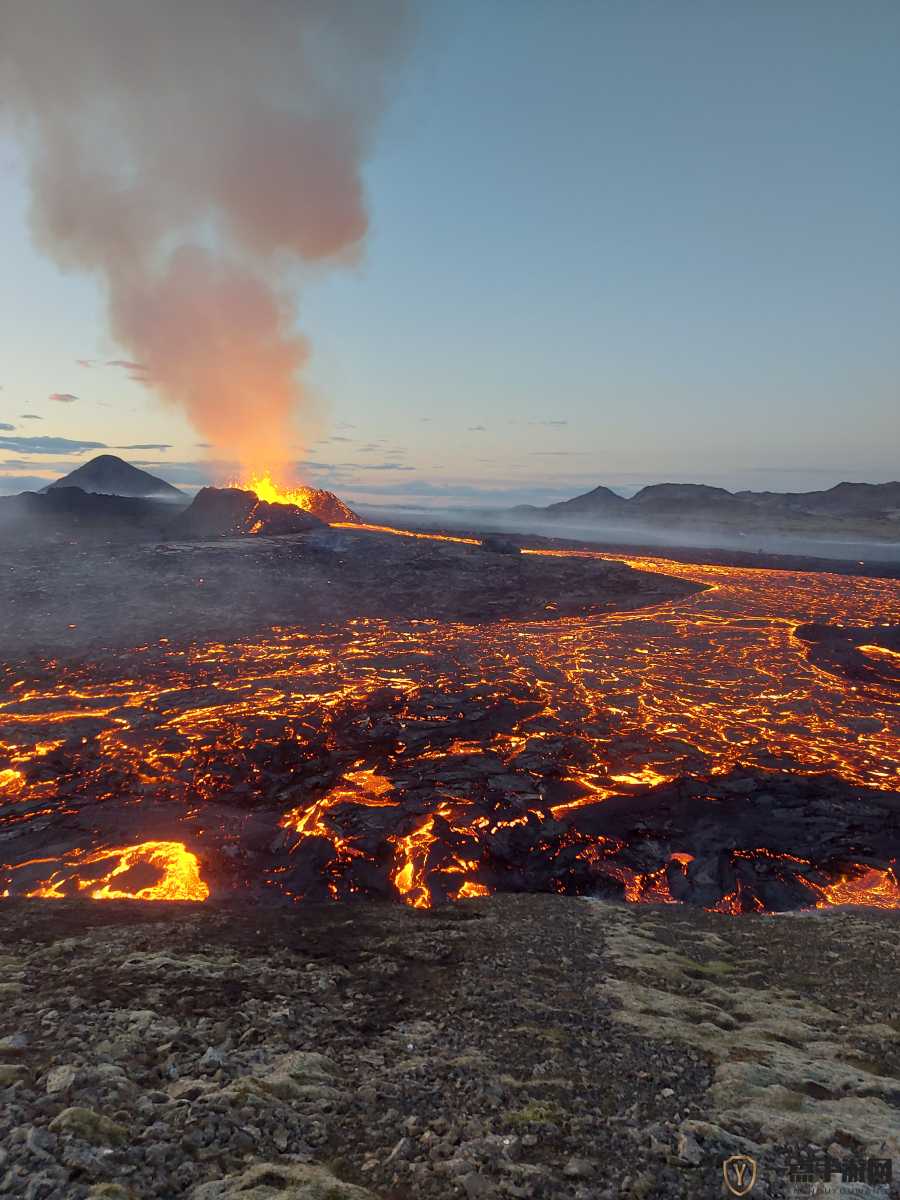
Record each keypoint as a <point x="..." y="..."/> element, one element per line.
<point x="610" y="242"/>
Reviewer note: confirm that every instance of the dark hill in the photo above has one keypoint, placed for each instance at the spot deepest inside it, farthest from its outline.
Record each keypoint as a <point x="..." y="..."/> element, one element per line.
<point x="864" y="509"/>
<point x="109" y="475"/>
<point x="602" y="501"/>
<point x="844" y="500"/>
<point x="681" y="495"/>
<point x="69" y="510"/>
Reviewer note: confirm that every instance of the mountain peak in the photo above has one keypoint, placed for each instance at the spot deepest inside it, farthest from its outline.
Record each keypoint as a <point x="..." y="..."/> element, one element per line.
<point x="109" y="475"/>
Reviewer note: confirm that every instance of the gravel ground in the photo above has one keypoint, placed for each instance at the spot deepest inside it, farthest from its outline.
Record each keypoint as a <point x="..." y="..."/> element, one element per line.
<point x="518" y="1046"/>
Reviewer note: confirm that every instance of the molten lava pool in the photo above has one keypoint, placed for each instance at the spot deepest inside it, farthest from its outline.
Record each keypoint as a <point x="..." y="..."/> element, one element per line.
<point x="691" y="751"/>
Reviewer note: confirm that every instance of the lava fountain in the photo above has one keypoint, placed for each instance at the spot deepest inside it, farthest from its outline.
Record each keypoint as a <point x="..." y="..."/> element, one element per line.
<point x="321" y="503"/>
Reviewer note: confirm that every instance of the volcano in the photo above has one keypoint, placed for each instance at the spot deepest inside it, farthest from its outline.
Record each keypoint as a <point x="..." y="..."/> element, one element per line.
<point x="109" y="475"/>
<point x="234" y="512"/>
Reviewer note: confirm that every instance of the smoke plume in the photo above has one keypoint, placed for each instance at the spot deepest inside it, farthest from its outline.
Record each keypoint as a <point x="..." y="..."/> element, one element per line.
<point x="193" y="153"/>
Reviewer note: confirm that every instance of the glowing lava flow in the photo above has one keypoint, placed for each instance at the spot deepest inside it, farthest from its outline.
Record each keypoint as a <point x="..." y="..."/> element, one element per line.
<point x="177" y="868"/>
<point x="407" y="533"/>
<point x="874" y="888"/>
<point x="365" y="785"/>
<point x="221" y="735"/>
<point x="412" y="854"/>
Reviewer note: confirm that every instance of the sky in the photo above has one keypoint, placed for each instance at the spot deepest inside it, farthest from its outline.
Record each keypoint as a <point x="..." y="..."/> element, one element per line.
<point x="611" y="242"/>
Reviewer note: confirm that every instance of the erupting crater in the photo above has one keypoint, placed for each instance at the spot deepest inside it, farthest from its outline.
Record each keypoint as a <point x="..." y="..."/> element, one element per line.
<point x="322" y="504"/>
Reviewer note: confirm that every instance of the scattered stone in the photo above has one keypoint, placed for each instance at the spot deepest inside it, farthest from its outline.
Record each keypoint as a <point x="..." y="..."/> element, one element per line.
<point x="380" y="1050"/>
<point x="268" y="1181"/>
<point x="60" y="1079"/>
<point x="90" y="1126"/>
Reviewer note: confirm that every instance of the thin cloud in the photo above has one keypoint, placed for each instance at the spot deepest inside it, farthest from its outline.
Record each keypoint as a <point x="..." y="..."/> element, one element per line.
<point x="136" y="371"/>
<point x="49" y="445"/>
<point x="384" y="466"/>
<point x="62" y="397"/>
<point x="477" y="429"/>
<point x="203" y="445"/>
<point x="85" y="362"/>
<point x="146" y="446"/>
<point x="29" y="417"/>
<point x="3" y="425"/>
<point x="125" y="364"/>
<point x="549" y="424"/>
<point x="560" y="453"/>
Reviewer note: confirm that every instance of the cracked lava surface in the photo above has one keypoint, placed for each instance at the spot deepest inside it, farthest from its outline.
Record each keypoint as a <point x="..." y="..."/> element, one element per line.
<point x="428" y="761"/>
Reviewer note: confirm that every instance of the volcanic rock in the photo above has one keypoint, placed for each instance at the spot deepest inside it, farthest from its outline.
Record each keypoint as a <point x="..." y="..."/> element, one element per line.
<point x="267" y="1181"/>
<point x="231" y="586"/>
<point x="497" y="544"/>
<point x="89" y="1126"/>
<point x="327" y="506"/>
<point x="233" y="512"/>
<point x="868" y="653"/>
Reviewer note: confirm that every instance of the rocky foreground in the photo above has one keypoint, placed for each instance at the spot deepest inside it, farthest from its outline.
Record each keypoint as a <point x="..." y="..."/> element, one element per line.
<point x="521" y="1047"/>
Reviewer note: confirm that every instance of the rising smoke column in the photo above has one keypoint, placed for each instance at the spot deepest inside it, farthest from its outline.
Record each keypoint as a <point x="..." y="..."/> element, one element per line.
<point x="192" y="153"/>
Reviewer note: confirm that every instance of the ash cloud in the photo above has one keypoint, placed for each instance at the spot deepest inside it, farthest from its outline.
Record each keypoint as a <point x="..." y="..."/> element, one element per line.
<point x="193" y="155"/>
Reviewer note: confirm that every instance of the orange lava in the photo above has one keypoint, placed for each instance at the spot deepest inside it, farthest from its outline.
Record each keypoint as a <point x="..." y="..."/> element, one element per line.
<point x="408" y="875"/>
<point x="470" y="890"/>
<point x="266" y="489"/>
<point x="179" y="874"/>
<point x="407" y="533"/>
<point x="700" y="685"/>
<point x="871" y="887"/>
<point x="364" y="786"/>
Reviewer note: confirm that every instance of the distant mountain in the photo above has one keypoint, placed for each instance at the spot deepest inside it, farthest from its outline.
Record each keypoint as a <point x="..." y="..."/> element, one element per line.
<point x="602" y="501"/>
<point x="844" y="499"/>
<point x="109" y="475"/>
<point x="863" y="508"/>
<point x="667" y="497"/>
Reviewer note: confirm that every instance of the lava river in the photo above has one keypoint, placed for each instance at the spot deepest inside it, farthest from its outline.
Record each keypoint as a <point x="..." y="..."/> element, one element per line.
<point x="694" y="751"/>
